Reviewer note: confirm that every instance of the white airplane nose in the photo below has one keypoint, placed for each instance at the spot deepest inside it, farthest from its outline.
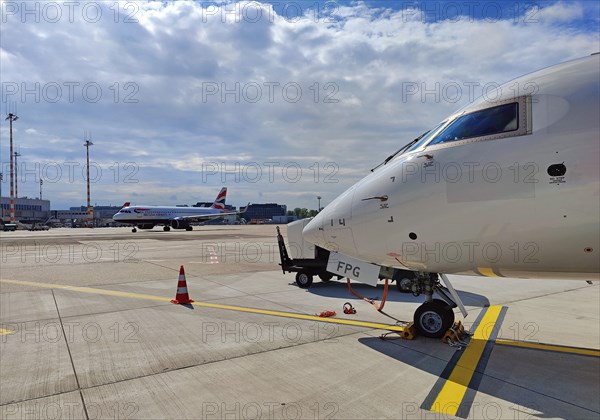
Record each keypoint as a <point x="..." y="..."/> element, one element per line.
<point x="313" y="231"/>
<point x="331" y="229"/>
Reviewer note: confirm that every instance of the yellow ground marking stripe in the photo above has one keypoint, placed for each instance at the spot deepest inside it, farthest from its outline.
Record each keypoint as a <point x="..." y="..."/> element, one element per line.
<point x="450" y="397"/>
<point x="5" y="332"/>
<point x="550" y="347"/>
<point x="85" y="290"/>
<point x="488" y="272"/>
<point x="376" y="325"/>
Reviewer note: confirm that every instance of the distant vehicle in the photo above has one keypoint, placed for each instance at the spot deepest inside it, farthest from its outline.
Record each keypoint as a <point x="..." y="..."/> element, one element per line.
<point x="39" y="227"/>
<point x="258" y="221"/>
<point x="9" y="227"/>
<point x="146" y="217"/>
<point x="437" y="207"/>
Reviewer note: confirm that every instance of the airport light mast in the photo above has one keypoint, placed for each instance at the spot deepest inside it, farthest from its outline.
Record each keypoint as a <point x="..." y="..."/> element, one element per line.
<point x="11" y="118"/>
<point x="319" y="198"/>
<point x="41" y="182"/>
<point x="17" y="154"/>
<point x="87" y="145"/>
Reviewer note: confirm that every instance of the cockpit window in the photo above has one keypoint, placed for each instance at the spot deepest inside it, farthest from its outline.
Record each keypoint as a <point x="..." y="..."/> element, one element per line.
<point x="489" y="121"/>
<point x="425" y="137"/>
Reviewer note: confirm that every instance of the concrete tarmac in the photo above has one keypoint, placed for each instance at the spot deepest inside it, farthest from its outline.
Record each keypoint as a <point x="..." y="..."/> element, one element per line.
<point x="87" y="330"/>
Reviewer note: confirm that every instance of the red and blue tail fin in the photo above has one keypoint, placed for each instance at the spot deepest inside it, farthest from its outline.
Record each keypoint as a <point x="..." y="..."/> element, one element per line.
<point x="219" y="203"/>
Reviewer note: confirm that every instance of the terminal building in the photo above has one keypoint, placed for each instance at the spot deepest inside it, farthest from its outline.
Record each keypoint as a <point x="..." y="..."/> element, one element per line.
<point x="27" y="210"/>
<point x="77" y="216"/>
<point x="34" y="210"/>
<point x="264" y="212"/>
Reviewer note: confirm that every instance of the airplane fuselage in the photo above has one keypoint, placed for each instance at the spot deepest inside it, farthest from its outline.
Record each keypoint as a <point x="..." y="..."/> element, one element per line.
<point x="523" y="201"/>
<point x="138" y="215"/>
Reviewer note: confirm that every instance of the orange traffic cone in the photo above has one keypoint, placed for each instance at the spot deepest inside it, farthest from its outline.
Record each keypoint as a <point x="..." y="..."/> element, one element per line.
<point x="182" y="296"/>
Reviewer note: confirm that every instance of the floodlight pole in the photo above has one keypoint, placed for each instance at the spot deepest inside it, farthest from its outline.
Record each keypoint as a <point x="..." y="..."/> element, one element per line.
<point x="87" y="145"/>
<point x="11" y="118"/>
<point x="17" y="154"/>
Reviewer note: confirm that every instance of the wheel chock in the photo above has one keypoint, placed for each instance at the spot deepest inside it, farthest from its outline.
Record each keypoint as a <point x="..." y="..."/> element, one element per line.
<point x="455" y="334"/>
<point x="409" y="332"/>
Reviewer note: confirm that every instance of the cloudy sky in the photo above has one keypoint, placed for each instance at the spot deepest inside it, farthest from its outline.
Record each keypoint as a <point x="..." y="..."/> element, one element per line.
<point x="280" y="101"/>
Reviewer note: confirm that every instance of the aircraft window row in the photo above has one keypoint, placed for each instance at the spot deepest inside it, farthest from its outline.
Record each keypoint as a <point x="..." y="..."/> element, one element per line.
<point x="489" y="121"/>
<point x="125" y="211"/>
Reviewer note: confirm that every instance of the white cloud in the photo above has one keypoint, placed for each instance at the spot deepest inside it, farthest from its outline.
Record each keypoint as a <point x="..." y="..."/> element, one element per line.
<point x="191" y="82"/>
<point x="561" y="12"/>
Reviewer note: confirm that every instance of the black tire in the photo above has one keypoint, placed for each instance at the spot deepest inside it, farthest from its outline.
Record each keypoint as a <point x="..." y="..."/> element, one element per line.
<point x="134" y="230"/>
<point x="304" y="280"/>
<point x="189" y="228"/>
<point x="325" y="276"/>
<point x="432" y="319"/>
<point x="166" y="228"/>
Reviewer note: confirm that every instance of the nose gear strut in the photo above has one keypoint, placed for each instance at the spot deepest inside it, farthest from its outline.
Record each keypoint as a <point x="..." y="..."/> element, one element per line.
<point x="435" y="316"/>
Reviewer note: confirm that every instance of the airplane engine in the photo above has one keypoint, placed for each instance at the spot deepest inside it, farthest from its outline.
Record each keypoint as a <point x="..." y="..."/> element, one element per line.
<point x="180" y="224"/>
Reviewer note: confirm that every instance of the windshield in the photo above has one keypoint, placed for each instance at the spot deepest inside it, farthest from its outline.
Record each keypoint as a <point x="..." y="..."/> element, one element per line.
<point x="498" y="119"/>
<point x="413" y="145"/>
<point x="425" y="137"/>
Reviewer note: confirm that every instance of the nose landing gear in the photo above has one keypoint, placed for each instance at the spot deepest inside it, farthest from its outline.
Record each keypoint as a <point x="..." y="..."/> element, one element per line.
<point x="434" y="317"/>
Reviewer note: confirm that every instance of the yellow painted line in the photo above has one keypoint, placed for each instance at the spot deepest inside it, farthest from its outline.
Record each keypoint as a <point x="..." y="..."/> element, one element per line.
<point x="450" y="397"/>
<point x="366" y="324"/>
<point x="488" y="272"/>
<point x="550" y="347"/>
<point x="86" y="290"/>
<point x="5" y="332"/>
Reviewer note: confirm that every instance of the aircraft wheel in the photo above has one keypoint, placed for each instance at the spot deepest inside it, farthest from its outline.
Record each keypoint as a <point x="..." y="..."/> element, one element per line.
<point x="189" y="228"/>
<point x="134" y="230"/>
<point x="432" y="319"/>
<point x="325" y="276"/>
<point x="166" y="228"/>
<point x="304" y="280"/>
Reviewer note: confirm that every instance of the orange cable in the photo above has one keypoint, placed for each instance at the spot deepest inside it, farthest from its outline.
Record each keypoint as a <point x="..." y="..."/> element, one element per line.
<point x="377" y="306"/>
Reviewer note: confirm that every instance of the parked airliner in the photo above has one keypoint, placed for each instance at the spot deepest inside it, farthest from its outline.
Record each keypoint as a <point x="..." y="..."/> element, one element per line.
<point x="508" y="186"/>
<point x="146" y="217"/>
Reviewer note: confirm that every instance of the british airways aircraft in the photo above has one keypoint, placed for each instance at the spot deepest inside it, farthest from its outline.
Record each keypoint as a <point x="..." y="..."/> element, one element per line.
<point x="146" y="217"/>
<point x="508" y="186"/>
